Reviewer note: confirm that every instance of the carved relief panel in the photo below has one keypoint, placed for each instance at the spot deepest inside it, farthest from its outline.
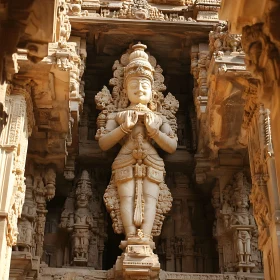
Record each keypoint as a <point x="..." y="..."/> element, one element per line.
<point x="235" y="228"/>
<point x="84" y="221"/>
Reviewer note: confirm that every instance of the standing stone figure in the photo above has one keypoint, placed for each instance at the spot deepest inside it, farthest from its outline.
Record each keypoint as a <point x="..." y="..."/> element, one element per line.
<point x="84" y="221"/>
<point x="238" y="223"/>
<point x="137" y="116"/>
<point x="27" y="220"/>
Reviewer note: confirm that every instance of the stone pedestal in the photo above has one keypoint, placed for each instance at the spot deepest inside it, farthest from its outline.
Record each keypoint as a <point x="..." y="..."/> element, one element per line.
<point x="24" y="265"/>
<point x="242" y="235"/>
<point x="81" y="243"/>
<point x="137" y="261"/>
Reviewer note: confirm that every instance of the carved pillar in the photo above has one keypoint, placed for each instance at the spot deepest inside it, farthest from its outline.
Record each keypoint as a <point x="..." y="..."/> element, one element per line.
<point x="261" y="46"/>
<point x="26" y="222"/>
<point x="44" y="182"/>
<point x="265" y="192"/>
<point x="28" y="250"/>
<point x="199" y="63"/>
<point x="14" y="141"/>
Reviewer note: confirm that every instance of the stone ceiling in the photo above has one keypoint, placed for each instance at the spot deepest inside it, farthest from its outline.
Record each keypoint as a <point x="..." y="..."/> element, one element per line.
<point x="169" y="42"/>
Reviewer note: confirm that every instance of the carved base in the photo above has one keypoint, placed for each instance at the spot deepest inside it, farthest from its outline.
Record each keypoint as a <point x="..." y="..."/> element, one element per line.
<point x="138" y="260"/>
<point x="23" y="263"/>
<point x="80" y="261"/>
<point x="245" y="267"/>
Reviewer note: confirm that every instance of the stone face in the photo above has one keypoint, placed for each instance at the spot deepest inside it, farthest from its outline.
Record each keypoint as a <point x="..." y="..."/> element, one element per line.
<point x="210" y="209"/>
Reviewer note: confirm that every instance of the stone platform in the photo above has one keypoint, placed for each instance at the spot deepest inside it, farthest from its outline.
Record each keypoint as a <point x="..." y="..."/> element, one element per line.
<point x="78" y="273"/>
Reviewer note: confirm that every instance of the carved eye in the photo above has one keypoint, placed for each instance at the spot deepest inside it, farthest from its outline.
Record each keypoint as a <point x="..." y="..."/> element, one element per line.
<point x="145" y="85"/>
<point x="133" y="85"/>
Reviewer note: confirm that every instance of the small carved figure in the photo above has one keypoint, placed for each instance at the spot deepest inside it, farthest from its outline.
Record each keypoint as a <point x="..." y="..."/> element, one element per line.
<point x="83" y="219"/>
<point x="243" y="240"/>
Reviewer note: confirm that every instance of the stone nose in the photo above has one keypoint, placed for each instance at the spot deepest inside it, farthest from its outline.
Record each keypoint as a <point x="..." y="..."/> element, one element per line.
<point x="140" y="89"/>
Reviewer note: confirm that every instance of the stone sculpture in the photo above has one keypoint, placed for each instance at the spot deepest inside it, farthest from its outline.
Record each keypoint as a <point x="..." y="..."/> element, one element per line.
<point x="136" y="115"/>
<point x="27" y="220"/>
<point x="83" y="219"/>
<point x="138" y="171"/>
<point x="236" y="230"/>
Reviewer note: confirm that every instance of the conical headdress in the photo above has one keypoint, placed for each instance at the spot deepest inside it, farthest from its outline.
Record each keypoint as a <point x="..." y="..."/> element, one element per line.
<point x="139" y="64"/>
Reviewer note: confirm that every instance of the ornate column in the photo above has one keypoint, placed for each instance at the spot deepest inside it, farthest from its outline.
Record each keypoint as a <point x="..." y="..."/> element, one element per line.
<point x="262" y="59"/>
<point x="28" y="250"/>
<point x="44" y="184"/>
<point x="265" y="192"/>
<point x="199" y="64"/>
<point x="13" y="144"/>
<point x="26" y="223"/>
<point x="261" y="44"/>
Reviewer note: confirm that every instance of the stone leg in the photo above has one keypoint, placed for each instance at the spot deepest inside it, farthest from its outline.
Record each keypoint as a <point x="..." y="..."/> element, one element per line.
<point x="150" y="192"/>
<point x="126" y="192"/>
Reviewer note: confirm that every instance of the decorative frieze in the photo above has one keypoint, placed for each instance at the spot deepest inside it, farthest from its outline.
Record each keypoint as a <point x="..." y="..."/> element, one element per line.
<point x="135" y="10"/>
<point x="91" y="274"/>
<point x="207" y="10"/>
<point x="221" y="42"/>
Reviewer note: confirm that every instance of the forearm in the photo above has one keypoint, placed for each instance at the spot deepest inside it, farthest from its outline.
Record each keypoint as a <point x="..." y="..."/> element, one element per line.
<point x="165" y="142"/>
<point x="109" y="140"/>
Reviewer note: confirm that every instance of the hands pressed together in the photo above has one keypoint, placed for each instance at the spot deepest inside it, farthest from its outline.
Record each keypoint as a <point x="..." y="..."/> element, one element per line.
<point x="151" y="121"/>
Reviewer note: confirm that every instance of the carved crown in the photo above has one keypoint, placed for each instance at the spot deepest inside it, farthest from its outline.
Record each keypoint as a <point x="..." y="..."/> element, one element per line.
<point x="139" y="64"/>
